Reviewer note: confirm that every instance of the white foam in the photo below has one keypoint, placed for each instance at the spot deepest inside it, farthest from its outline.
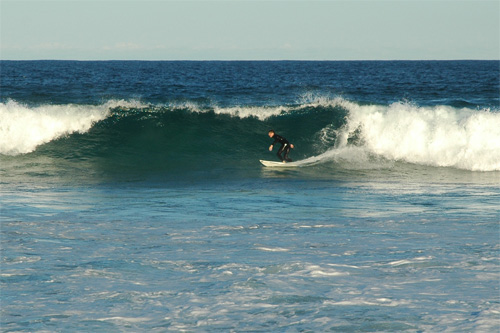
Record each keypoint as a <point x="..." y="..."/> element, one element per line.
<point x="265" y="112"/>
<point x="24" y="128"/>
<point x="410" y="261"/>
<point x="126" y="319"/>
<point x="317" y="271"/>
<point x="435" y="135"/>
<point x="261" y="113"/>
<point x="272" y="249"/>
<point x="368" y="302"/>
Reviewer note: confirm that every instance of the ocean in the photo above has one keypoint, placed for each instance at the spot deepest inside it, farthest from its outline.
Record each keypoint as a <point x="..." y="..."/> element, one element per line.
<point x="132" y="197"/>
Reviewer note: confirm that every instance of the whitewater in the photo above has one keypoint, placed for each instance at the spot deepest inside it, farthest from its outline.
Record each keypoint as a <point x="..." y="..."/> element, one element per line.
<point x="132" y="198"/>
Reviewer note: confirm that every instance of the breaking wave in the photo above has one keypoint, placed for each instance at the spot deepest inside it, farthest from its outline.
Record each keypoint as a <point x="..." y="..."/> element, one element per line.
<point x="322" y="128"/>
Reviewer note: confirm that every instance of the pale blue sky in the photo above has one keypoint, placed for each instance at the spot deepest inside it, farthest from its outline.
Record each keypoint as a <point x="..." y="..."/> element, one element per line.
<point x="250" y="30"/>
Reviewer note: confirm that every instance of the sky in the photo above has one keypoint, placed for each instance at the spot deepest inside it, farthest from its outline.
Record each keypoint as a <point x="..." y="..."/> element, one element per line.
<point x="250" y="30"/>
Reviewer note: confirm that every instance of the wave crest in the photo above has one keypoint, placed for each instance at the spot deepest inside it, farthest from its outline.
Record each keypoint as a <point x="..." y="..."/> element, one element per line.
<point x="23" y="128"/>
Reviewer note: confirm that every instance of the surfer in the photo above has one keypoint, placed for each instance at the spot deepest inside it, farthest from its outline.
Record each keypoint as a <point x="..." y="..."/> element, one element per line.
<point x="285" y="146"/>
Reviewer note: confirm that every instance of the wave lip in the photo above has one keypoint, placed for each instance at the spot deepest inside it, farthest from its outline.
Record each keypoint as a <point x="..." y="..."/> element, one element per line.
<point x="261" y="113"/>
<point x="24" y="128"/>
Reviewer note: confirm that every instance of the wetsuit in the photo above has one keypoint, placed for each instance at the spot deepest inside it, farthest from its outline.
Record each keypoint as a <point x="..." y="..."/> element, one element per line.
<point x="285" y="147"/>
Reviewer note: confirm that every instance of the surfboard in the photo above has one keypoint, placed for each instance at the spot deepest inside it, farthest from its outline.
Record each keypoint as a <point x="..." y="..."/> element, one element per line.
<point x="278" y="164"/>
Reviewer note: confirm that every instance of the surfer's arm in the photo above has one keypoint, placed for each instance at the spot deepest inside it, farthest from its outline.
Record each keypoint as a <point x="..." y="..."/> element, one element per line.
<point x="271" y="148"/>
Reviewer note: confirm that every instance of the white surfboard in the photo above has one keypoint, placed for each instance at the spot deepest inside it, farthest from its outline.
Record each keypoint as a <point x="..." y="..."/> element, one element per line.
<point x="278" y="164"/>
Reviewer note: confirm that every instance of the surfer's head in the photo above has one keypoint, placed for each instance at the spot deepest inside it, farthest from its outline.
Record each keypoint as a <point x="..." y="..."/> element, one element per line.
<point x="270" y="133"/>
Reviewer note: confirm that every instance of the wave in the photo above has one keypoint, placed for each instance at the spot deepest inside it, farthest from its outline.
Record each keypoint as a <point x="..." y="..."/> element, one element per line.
<point x="323" y="129"/>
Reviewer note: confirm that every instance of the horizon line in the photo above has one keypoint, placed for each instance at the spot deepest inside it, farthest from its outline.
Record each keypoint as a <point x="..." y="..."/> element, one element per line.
<point x="248" y="60"/>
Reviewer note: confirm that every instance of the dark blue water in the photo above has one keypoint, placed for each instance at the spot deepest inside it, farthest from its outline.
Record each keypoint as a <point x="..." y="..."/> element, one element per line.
<point x="456" y="83"/>
<point x="132" y="197"/>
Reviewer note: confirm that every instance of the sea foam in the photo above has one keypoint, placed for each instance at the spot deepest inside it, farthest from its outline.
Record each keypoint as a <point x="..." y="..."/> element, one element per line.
<point x="435" y="135"/>
<point x="24" y="128"/>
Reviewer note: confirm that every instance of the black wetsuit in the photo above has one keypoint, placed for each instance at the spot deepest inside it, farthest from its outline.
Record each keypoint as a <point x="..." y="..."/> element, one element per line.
<point x="285" y="147"/>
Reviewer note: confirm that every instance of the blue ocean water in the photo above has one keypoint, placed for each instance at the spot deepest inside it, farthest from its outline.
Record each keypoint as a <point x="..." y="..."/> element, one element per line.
<point x="132" y="197"/>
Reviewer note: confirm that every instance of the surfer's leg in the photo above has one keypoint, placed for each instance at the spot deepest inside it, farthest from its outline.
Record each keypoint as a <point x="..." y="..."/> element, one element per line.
<point x="279" y="153"/>
<point x="287" y="150"/>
